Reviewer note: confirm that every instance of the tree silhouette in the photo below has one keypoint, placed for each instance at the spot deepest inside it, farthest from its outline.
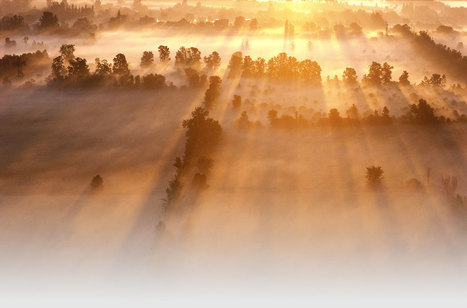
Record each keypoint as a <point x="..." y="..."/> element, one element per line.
<point x="164" y="53"/>
<point x="435" y="81"/>
<point x="213" y="92"/>
<point x="386" y="74"/>
<point x="97" y="183"/>
<point x="78" y="70"/>
<point x="67" y="51"/>
<point x="213" y="61"/>
<point x="422" y="113"/>
<point x="235" y="64"/>
<point x="103" y="68"/>
<point x="353" y="113"/>
<point x="48" y="21"/>
<point x="374" y="176"/>
<point x="334" y="117"/>
<point x="147" y="60"/>
<point x="374" y="76"/>
<point x="404" y="79"/>
<point x="153" y="81"/>
<point x="58" y="69"/>
<point x="120" y="65"/>
<point x="349" y="77"/>
<point x="202" y="134"/>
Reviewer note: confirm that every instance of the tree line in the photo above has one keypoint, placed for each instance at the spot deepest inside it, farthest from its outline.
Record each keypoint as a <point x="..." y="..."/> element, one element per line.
<point x="420" y="113"/>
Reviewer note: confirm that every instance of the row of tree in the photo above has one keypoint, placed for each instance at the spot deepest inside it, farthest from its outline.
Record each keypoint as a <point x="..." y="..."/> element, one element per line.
<point x="202" y="134"/>
<point x="281" y="68"/>
<point x="18" y="66"/>
<point x="71" y="71"/>
<point x="451" y="60"/>
<point x="420" y="113"/>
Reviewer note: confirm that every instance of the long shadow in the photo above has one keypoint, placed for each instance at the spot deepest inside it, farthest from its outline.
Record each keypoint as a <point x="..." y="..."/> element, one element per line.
<point x="146" y="218"/>
<point x="63" y="231"/>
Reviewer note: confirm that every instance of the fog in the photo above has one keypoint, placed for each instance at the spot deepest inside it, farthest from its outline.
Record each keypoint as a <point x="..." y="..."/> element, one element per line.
<point x="277" y="163"/>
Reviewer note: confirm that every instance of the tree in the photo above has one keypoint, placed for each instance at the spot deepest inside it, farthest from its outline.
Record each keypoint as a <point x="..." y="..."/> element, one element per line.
<point x="120" y="65"/>
<point x="164" y="53"/>
<point x="243" y="121"/>
<point x="248" y="67"/>
<point x="147" y="60"/>
<point x="193" y="77"/>
<point x="8" y="23"/>
<point x="435" y="81"/>
<point x="310" y="71"/>
<point x="272" y="115"/>
<point x="349" y="77"/>
<point x="103" y="68"/>
<point x="374" y="176"/>
<point x="375" y="74"/>
<point x="260" y="67"/>
<point x="213" y="61"/>
<point x="153" y="81"/>
<point x="213" y="92"/>
<point x="67" y="51"/>
<point x="78" y="70"/>
<point x="422" y="113"/>
<point x="58" y="68"/>
<point x="97" y="183"/>
<point x="48" y="21"/>
<point x="235" y="64"/>
<point x="386" y="118"/>
<point x="334" y="117"/>
<point x="188" y="56"/>
<point x="404" y="79"/>
<point x="202" y="135"/>
<point x="386" y="74"/>
<point x="353" y="113"/>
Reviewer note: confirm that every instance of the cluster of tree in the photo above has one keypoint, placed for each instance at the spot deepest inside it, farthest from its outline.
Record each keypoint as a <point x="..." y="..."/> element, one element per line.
<point x="381" y="75"/>
<point x="378" y="75"/>
<point x="451" y="60"/>
<point x="423" y="113"/>
<point x="374" y="178"/>
<point x="203" y="134"/>
<point x="12" y="23"/>
<point x="68" y="11"/>
<point x="68" y="70"/>
<point x="191" y="58"/>
<point x="435" y="81"/>
<point x="48" y="22"/>
<point x="148" y="58"/>
<point x="17" y="66"/>
<point x="280" y="68"/>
